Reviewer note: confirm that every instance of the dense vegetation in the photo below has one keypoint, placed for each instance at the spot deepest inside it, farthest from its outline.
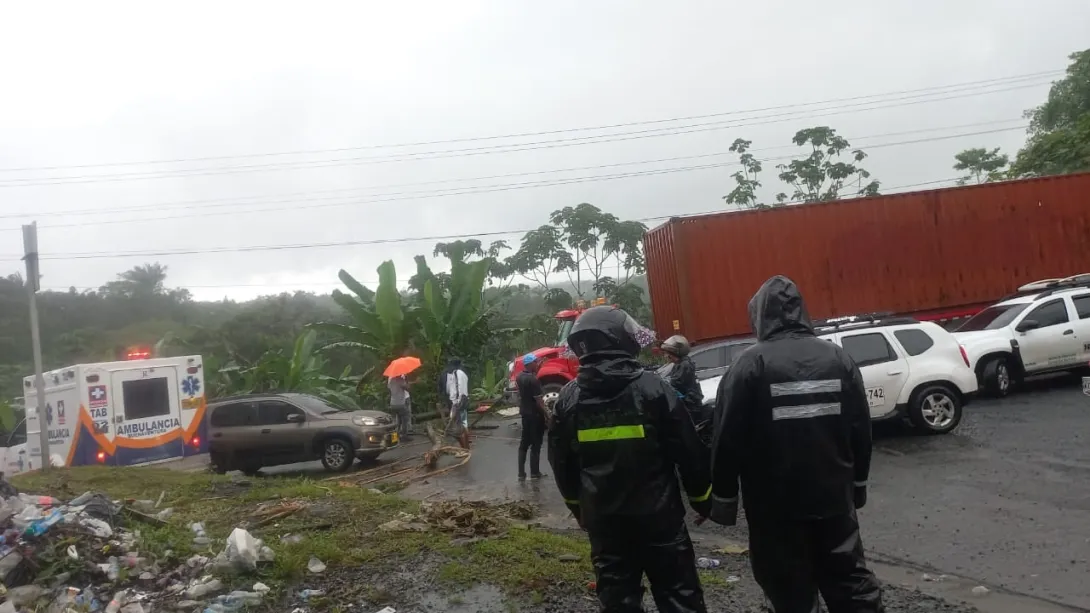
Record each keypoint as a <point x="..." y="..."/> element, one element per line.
<point x="337" y="345"/>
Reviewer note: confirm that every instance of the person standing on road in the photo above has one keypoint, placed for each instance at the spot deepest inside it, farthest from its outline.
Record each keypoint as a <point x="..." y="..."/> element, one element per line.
<point x="682" y="375"/>
<point x="619" y="441"/>
<point x="400" y="404"/>
<point x="458" y="394"/>
<point x="792" y="422"/>
<point x="534" y="416"/>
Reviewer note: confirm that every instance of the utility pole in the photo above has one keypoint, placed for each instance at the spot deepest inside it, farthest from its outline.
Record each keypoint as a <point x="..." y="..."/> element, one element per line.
<point x="30" y="256"/>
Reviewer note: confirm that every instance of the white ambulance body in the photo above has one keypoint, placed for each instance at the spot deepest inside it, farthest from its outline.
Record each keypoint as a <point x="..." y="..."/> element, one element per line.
<point x="119" y="413"/>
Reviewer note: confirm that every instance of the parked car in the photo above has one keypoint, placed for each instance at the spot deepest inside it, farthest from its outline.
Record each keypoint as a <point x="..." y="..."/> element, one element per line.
<point x="714" y="359"/>
<point x="912" y="370"/>
<point x="252" y="431"/>
<point x="1043" y="328"/>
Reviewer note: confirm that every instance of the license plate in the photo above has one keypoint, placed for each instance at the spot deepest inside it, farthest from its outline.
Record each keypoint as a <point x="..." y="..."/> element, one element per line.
<point x="876" y="396"/>
<point x="1086" y="385"/>
<point x="393" y="438"/>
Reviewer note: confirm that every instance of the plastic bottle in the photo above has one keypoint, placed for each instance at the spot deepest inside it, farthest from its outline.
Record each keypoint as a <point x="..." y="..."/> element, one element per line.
<point x="118" y="600"/>
<point x="41" y="501"/>
<point x="114" y="569"/>
<point x="707" y="563"/>
<point x="39" y="526"/>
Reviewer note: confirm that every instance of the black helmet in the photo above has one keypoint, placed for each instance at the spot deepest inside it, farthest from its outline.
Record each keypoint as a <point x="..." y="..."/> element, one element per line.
<point x="677" y="345"/>
<point x="604" y="328"/>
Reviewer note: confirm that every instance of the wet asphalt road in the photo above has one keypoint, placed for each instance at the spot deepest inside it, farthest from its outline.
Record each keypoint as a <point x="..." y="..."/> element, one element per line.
<point x="1004" y="500"/>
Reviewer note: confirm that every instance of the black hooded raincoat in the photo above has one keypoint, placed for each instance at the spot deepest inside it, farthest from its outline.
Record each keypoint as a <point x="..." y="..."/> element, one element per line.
<point x="620" y="441"/>
<point x="792" y="423"/>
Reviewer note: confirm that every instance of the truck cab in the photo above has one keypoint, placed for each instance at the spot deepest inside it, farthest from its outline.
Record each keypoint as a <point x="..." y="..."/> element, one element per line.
<point x="559" y="364"/>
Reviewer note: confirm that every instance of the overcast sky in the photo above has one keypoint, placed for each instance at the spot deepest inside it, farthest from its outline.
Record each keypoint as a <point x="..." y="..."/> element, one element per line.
<point x="90" y="92"/>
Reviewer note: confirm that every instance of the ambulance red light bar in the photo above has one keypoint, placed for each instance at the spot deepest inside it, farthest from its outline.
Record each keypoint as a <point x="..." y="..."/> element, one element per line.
<point x="138" y="353"/>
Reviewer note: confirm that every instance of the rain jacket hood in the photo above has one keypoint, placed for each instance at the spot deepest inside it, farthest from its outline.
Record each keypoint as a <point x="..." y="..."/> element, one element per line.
<point x="777" y="310"/>
<point x="607" y="375"/>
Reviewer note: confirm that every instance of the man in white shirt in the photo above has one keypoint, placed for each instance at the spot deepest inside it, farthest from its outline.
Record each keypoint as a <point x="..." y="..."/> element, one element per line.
<point x="458" y="395"/>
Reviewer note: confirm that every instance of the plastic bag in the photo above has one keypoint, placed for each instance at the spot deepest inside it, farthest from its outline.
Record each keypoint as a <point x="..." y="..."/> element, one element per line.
<point x="243" y="550"/>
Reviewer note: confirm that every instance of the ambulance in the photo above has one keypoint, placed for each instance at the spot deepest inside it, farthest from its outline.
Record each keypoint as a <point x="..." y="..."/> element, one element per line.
<point x="140" y="410"/>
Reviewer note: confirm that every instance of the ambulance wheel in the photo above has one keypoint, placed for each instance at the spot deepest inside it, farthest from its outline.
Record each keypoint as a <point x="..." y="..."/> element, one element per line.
<point x="337" y="455"/>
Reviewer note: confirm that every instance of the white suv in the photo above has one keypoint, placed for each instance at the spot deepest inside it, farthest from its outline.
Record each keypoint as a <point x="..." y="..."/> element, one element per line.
<point x="912" y="370"/>
<point x="1044" y="328"/>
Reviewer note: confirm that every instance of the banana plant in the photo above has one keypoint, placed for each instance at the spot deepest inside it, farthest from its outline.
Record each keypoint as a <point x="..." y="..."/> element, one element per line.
<point x="381" y="325"/>
<point x="302" y="372"/>
<point x="455" y="321"/>
<point x="491" y="384"/>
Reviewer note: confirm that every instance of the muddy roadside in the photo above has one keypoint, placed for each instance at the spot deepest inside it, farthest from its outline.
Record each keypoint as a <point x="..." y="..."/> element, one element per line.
<point x="326" y="545"/>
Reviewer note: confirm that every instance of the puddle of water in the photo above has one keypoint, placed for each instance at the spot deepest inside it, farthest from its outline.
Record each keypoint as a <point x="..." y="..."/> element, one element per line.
<point x="475" y="599"/>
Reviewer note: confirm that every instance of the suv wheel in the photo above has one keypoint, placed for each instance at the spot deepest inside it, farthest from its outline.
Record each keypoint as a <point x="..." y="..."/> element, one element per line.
<point x="996" y="376"/>
<point x="935" y="409"/>
<point x="218" y="463"/>
<point x="337" y="455"/>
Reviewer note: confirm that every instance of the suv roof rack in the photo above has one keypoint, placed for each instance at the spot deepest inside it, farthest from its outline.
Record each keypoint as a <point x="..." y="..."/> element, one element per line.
<point x="1047" y="287"/>
<point x="867" y="320"/>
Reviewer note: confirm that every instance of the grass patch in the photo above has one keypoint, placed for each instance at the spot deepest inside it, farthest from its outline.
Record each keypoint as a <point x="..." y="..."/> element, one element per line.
<point x="526" y="560"/>
<point x="711" y="579"/>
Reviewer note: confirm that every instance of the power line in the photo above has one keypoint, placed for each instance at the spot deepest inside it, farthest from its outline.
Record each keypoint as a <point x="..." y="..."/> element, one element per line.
<point x="353" y="243"/>
<point x="999" y="80"/>
<point x="499" y="187"/>
<point x="598" y="139"/>
<point x="336" y="284"/>
<point x="216" y="203"/>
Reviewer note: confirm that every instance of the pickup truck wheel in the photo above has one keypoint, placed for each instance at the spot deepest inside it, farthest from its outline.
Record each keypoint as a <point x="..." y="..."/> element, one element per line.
<point x="996" y="376"/>
<point x="935" y="409"/>
<point x="337" y="455"/>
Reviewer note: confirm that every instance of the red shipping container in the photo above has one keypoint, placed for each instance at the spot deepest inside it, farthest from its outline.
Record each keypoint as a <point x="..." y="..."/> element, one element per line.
<point x="928" y="253"/>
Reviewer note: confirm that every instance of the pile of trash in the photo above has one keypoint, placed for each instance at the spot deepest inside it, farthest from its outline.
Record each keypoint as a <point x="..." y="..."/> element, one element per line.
<point x="462" y="518"/>
<point x="84" y="556"/>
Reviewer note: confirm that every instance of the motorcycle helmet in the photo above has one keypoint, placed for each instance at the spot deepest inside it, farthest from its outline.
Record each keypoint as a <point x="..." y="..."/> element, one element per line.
<point x="677" y="345"/>
<point x="603" y="329"/>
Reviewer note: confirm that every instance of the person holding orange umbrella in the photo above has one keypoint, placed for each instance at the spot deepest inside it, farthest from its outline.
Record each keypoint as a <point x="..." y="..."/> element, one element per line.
<point x="398" y="384"/>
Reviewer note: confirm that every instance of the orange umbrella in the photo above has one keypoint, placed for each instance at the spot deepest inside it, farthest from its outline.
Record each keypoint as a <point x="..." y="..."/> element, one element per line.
<point x="401" y="366"/>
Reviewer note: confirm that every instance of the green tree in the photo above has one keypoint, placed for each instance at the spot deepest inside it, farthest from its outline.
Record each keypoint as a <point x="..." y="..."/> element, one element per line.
<point x="1055" y="153"/>
<point x="1059" y="130"/>
<point x="823" y="174"/>
<point x="983" y="165"/>
<point x="540" y="254"/>
<point x="624" y="243"/>
<point x="744" y="194"/>
<point x="558" y="299"/>
<point x="141" y="281"/>
<point x="586" y="230"/>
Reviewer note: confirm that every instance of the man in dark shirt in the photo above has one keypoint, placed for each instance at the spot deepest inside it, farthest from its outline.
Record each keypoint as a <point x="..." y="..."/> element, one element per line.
<point x="532" y="411"/>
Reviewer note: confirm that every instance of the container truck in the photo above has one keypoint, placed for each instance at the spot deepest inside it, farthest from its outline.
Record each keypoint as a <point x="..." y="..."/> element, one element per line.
<point x="939" y="255"/>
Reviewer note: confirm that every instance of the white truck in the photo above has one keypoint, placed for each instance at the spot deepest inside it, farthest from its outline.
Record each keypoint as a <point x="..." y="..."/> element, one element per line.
<point x="119" y="413"/>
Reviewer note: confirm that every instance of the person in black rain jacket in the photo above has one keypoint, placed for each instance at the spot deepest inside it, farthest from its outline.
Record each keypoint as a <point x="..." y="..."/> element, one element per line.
<point x="682" y="375"/>
<point x="792" y="422"/>
<point x="619" y="441"/>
